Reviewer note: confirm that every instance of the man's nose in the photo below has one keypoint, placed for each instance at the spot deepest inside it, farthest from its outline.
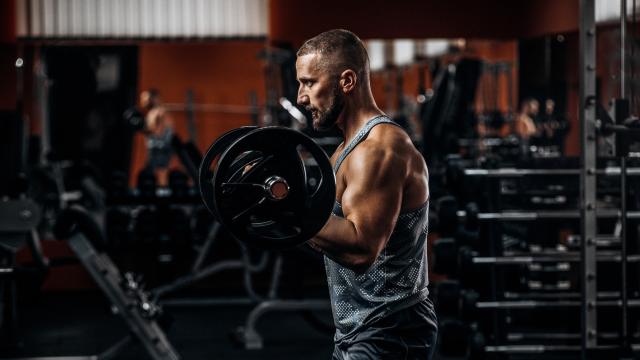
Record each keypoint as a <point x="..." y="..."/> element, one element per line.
<point x="303" y="99"/>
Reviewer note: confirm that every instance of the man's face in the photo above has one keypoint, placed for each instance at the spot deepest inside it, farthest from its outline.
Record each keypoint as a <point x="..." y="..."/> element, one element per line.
<point x="534" y="107"/>
<point x="146" y="100"/>
<point x="318" y="92"/>
<point x="549" y="106"/>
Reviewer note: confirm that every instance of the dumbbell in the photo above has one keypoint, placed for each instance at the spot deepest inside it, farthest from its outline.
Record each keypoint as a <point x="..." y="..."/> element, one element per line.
<point x="179" y="184"/>
<point x="451" y="224"/>
<point x="447" y="210"/>
<point x="134" y="119"/>
<point x="117" y="222"/>
<point x="147" y="184"/>
<point x="454" y="302"/>
<point x="461" y="340"/>
<point x="448" y="258"/>
<point x="118" y="188"/>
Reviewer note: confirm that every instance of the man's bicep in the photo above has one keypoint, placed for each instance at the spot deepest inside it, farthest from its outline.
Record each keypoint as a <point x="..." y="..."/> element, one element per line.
<point x="373" y="196"/>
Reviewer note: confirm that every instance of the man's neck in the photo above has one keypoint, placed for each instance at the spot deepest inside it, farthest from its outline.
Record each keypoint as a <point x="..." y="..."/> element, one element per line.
<point x="352" y="121"/>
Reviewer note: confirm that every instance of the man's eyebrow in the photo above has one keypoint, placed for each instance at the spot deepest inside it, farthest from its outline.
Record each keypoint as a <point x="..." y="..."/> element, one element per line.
<point x="304" y="78"/>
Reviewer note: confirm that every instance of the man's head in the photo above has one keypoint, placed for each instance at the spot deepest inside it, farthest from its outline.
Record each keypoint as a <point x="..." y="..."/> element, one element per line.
<point x="530" y="106"/>
<point x="549" y="106"/>
<point x="330" y="67"/>
<point x="149" y="99"/>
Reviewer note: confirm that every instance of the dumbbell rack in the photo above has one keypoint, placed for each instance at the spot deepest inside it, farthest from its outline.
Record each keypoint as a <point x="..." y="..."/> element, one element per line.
<point x="593" y="341"/>
<point x="498" y="258"/>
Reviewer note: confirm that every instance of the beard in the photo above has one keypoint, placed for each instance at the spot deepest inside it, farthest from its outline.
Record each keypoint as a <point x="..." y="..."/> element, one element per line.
<point x="326" y="120"/>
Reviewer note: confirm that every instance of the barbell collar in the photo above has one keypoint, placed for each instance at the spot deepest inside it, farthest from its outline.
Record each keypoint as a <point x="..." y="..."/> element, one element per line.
<point x="276" y="188"/>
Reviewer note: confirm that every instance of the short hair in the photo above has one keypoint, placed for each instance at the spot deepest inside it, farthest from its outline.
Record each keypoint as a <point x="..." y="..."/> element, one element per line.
<point x="340" y="49"/>
<point x="527" y="101"/>
<point x="153" y="93"/>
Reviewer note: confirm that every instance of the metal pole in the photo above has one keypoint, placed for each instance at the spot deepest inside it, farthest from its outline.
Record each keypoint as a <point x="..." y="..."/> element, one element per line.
<point x="623" y="183"/>
<point x="25" y="129"/>
<point x="43" y="84"/>
<point x="623" y="44"/>
<point x="623" y="249"/>
<point x="588" y="175"/>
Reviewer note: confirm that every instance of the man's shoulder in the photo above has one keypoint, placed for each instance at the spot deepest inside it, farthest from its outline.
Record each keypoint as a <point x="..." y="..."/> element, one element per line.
<point x="389" y="137"/>
<point x="382" y="150"/>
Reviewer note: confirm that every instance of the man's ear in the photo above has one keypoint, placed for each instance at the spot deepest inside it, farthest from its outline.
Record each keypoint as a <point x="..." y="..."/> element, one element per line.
<point x="348" y="81"/>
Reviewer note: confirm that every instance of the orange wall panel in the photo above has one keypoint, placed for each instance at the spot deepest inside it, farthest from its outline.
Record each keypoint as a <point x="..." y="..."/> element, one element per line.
<point x="294" y="21"/>
<point x="549" y="16"/>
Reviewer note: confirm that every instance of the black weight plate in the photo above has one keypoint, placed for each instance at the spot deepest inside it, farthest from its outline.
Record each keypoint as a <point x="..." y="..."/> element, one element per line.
<point x="251" y="215"/>
<point x="205" y="176"/>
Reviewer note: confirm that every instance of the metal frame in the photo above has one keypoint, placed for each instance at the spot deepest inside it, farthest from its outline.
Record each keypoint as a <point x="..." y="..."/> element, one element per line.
<point x="623" y="186"/>
<point x="248" y="334"/>
<point x="588" y="226"/>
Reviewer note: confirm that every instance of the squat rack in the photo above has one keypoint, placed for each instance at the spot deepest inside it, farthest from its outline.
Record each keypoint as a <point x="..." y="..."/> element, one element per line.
<point x="589" y="124"/>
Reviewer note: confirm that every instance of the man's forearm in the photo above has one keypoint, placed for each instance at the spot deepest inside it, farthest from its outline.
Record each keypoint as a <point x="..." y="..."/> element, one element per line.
<point x="339" y="240"/>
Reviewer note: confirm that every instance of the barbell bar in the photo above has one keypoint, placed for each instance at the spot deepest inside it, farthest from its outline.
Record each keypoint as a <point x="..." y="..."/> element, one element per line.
<point x="546" y="215"/>
<point x="515" y="172"/>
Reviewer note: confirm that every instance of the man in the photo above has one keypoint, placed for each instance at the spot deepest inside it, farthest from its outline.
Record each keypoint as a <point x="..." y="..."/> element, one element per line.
<point x="525" y="126"/>
<point x="158" y="129"/>
<point x="374" y="245"/>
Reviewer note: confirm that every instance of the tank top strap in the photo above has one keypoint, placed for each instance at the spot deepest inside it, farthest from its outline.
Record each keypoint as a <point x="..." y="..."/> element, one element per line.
<point x="360" y="136"/>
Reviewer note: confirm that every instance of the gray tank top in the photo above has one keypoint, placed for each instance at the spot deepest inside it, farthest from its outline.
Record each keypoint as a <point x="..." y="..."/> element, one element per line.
<point x="398" y="277"/>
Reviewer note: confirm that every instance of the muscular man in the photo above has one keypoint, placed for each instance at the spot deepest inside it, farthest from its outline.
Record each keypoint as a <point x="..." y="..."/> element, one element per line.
<point x="374" y="244"/>
<point x="158" y="129"/>
<point x="525" y="126"/>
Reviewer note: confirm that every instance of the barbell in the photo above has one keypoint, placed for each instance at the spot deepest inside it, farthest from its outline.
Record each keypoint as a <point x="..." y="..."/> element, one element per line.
<point x="255" y="183"/>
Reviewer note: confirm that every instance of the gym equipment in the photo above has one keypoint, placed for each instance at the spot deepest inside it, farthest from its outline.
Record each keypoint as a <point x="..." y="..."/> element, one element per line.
<point x="533" y="304"/>
<point x="259" y="189"/>
<point x="446" y="207"/>
<point x="446" y="115"/>
<point x="445" y="256"/>
<point x="549" y="214"/>
<point x="18" y="221"/>
<point x="513" y="172"/>
<point x="272" y="188"/>
<point x="248" y="334"/>
<point x="127" y="296"/>
<point x="210" y="158"/>
<point x="553" y="258"/>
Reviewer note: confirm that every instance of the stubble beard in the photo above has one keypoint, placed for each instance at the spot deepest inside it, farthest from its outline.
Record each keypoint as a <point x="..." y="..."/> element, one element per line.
<point x="326" y="120"/>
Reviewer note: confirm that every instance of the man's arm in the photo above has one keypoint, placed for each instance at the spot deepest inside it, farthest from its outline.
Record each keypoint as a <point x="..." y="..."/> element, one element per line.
<point x="371" y="203"/>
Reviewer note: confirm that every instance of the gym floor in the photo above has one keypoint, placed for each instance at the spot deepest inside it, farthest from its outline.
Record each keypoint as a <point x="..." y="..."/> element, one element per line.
<point x="81" y="324"/>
